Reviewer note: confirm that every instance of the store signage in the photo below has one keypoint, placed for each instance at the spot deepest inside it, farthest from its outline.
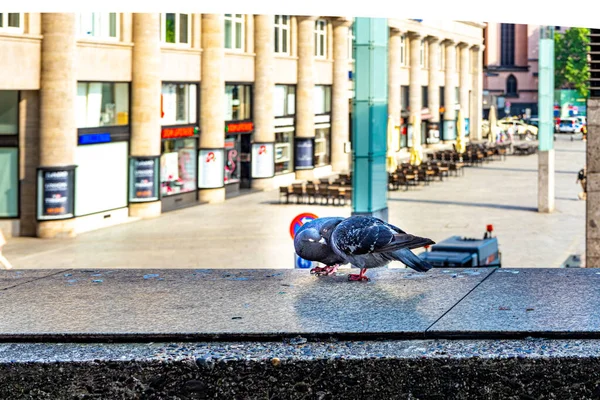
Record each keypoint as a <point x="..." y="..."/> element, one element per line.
<point x="263" y="163"/>
<point x="239" y="127"/>
<point x="304" y="153"/>
<point x="144" y="179"/>
<point x="211" y="168"/>
<point x="94" y="138"/>
<point x="173" y="133"/>
<point x="56" y="192"/>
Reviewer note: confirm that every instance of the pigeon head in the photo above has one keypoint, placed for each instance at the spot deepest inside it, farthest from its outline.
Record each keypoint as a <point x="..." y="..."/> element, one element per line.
<point x="313" y="238"/>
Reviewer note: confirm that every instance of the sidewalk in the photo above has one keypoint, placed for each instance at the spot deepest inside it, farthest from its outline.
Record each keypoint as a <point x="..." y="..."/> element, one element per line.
<point x="252" y="231"/>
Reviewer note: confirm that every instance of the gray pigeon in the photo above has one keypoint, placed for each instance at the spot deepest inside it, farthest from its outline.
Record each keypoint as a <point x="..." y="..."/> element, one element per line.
<point x="368" y="242"/>
<point x="312" y="242"/>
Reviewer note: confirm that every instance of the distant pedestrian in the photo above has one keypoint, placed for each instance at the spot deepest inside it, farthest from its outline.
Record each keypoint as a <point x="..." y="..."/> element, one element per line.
<point x="582" y="179"/>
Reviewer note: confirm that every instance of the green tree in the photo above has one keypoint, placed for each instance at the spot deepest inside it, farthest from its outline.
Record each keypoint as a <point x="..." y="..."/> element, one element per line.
<point x="571" y="70"/>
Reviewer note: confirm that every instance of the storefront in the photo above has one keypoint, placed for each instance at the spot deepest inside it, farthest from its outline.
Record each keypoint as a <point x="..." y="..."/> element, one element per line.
<point x="102" y="153"/>
<point x="404" y="117"/>
<point x="9" y="154"/>
<point x="238" y="138"/>
<point x="179" y="145"/>
<point x="285" y="110"/>
<point x="322" y="142"/>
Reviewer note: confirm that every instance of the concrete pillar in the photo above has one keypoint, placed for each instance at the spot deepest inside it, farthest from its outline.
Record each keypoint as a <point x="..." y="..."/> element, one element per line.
<point x="340" y="107"/>
<point x="433" y="89"/>
<point x="394" y="81"/>
<point x="415" y="87"/>
<point x="264" y="116"/>
<point x="145" y="98"/>
<point x="212" y="94"/>
<point x="465" y="79"/>
<point x="305" y="112"/>
<point x="450" y="82"/>
<point x="477" y="93"/>
<point x="29" y="146"/>
<point x="592" y="230"/>
<point x="58" y="88"/>
<point x="546" y="181"/>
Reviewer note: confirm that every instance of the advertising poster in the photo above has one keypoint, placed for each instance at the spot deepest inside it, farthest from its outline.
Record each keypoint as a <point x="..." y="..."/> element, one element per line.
<point x="144" y="179"/>
<point x="449" y="130"/>
<point x="57" y="201"/>
<point x="262" y="160"/>
<point x="211" y="168"/>
<point x="304" y="153"/>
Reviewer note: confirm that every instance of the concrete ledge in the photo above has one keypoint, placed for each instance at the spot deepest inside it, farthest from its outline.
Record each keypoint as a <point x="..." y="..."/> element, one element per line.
<point x="419" y="369"/>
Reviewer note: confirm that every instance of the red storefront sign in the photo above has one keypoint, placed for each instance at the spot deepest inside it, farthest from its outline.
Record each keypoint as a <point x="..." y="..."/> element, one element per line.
<point x="172" y="133"/>
<point x="239" y="127"/>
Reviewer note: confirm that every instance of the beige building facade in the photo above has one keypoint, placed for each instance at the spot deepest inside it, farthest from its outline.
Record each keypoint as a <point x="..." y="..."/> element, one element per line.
<point x="109" y="117"/>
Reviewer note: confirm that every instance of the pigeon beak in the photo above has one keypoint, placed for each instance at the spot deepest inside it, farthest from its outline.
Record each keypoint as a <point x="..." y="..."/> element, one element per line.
<point x="323" y="241"/>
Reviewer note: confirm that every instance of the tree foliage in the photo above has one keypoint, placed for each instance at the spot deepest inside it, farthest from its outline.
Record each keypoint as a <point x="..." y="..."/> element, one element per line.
<point x="571" y="70"/>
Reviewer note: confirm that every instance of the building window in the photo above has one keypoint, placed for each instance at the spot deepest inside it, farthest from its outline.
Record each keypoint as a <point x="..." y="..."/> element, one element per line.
<point x="234" y="31"/>
<point x="511" y="86"/>
<point x="284" y="150"/>
<point x="405" y="97"/>
<point x="98" y="25"/>
<point x="9" y="112"/>
<point x="238" y="102"/>
<point x="424" y="96"/>
<point x="442" y="96"/>
<point x="507" y="44"/>
<point x="403" y="51"/>
<point x="178" y="166"/>
<point x="322" y="99"/>
<point x="284" y="100"/>
<point x="282" y="34"/>
<point x="179" y="104"/>
<point x="102" y="104"/>
<point x="11" y="22"/>
<point x="176" y="28"/>
<point x="320" y="38"/>
<point x="322" y="141"/>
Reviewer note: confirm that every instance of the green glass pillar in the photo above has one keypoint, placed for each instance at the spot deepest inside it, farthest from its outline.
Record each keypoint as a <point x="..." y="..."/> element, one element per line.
<point x="546" y="120"/>
<point x="369" y="118"/>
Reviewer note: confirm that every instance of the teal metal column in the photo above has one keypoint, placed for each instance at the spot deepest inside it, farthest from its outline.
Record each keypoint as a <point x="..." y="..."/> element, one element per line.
<point x="369" y="118"/>
<point x="546" y="120"/>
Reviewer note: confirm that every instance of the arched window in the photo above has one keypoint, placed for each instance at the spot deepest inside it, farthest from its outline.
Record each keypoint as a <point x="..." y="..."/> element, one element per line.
<point x="511" y="85"/>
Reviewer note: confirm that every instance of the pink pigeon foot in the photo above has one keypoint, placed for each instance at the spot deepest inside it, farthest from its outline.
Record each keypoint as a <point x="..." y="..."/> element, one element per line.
<point x="359" y="277"/>
<point x="327" y="270"/>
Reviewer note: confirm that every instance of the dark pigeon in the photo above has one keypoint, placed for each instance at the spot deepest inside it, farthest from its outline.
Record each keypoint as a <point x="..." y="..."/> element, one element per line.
<point x="368" y="242"/>
<point x="312" y="242"/>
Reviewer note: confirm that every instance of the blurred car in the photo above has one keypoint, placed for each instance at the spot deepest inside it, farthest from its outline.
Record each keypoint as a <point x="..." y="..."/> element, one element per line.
<point x="521" y="129"/>
<point x="570" y="125"/>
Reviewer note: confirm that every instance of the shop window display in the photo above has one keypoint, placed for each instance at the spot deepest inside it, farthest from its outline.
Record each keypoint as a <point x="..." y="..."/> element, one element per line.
<point x="179" y="104"/>
<point x="232" y="160"/>
<point x="322" y="138"/>
<point x="284" y="152"/>
<point x="178" y="166"/>
<point x="102" y="104"/>
<point x="238" y="102"/>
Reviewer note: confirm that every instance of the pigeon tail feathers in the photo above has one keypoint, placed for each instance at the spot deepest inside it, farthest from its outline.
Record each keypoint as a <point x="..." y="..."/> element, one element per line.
<point x="411" y="260"/>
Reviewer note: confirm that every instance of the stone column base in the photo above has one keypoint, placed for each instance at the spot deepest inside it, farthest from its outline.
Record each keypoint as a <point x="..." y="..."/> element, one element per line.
<point x="263" y="183"/>
<point x="145" y="210"/>
<point x="546" y="181"/>
<point x="212" y="195"/>
<point x="305" y="174"/>
<point x="61" y="229"/>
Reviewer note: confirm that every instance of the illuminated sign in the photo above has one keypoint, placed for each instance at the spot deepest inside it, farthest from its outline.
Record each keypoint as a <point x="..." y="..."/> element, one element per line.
<point x="239" y="127"/>
<point x="172" y="133"/>
<point x="94" y="138"/>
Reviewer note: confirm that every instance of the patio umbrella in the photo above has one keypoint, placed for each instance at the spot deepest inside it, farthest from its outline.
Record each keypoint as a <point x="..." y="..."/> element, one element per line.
<point x="493" y="125"/>
<point x="460" y="134"/>
<point x="392" y="139"/>
<point x="416" y="151"/>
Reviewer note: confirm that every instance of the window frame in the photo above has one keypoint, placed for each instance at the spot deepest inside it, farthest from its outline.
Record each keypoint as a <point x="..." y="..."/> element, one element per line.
<point x="278" y="39"/>
<point x="189" y="107"/>
<point x="102" y="20"/>
<point x="320" y="31"/>
<point x="234" y="19"/>
<point x="106" y="127"/>
<point x="163" y="30"/>
<point x="286" y="105"/>
<point x="13" y="29"/>
<point x="248" y="89"/>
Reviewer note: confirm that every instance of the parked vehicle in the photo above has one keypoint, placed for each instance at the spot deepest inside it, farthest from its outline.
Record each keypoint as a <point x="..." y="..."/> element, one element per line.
<point x="570" y="125"/>
<point x="522" y="130"/>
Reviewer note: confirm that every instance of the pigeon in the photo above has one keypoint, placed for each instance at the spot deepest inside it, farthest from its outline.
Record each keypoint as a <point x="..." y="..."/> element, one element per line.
<point x="368" y="242"/>
<point x="312" y="242"/>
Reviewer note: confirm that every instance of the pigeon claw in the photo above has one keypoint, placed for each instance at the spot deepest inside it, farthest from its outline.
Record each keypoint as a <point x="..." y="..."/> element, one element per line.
<point x="359" y="277"/>
<point x="324" y="270"/>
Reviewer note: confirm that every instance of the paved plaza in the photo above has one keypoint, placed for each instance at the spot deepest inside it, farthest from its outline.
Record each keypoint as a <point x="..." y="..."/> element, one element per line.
<point x="252" y="231"/>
